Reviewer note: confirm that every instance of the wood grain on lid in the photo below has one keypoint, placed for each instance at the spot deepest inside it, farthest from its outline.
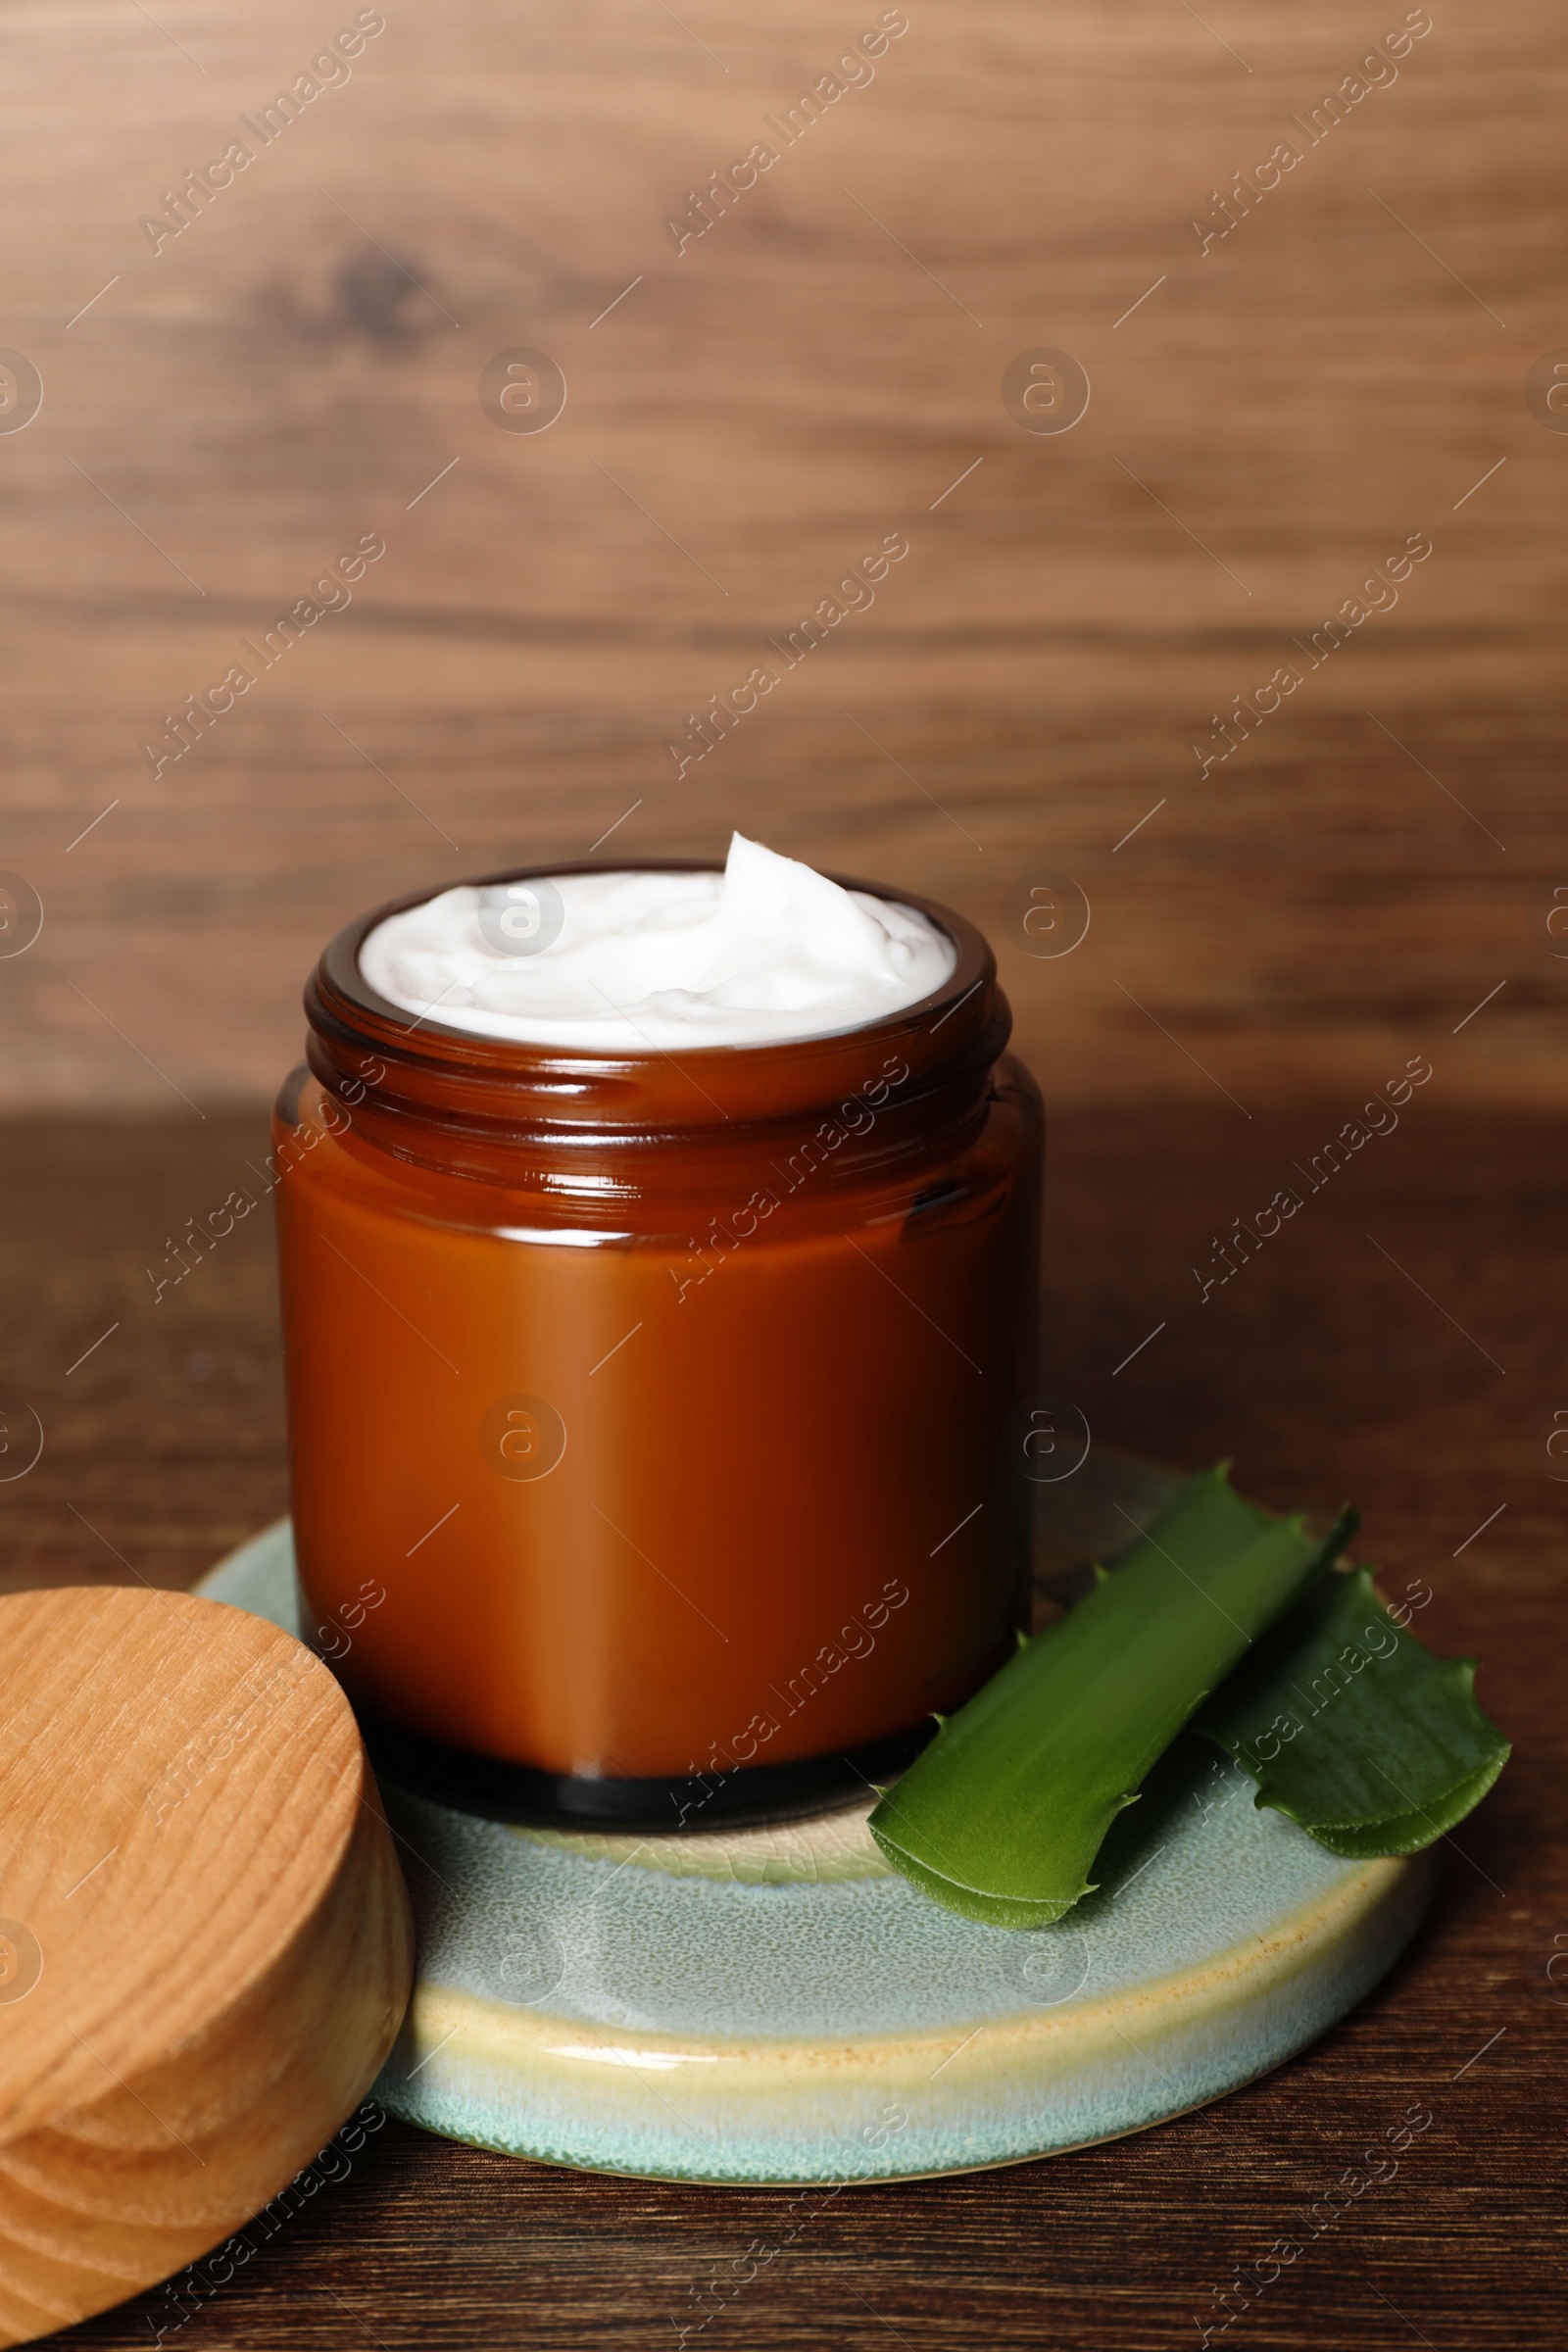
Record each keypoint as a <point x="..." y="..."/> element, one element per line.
<point x="205" y="1948"/>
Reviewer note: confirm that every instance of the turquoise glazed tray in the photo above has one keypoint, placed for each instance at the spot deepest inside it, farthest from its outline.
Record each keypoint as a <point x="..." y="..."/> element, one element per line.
<point x="776" y="2005"/>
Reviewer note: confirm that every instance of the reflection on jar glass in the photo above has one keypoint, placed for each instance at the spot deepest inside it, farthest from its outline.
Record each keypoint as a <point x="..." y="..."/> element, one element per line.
<point x="664" y="1394"/>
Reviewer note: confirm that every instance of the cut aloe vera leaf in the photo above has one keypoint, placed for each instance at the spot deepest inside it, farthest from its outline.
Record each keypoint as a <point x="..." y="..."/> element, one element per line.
<point x="1352" y="1729"/>
<point x="1001" y="1816"/>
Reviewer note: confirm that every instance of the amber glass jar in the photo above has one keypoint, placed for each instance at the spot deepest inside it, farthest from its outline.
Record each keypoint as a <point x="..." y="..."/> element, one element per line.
<point x="665" y="1397"/>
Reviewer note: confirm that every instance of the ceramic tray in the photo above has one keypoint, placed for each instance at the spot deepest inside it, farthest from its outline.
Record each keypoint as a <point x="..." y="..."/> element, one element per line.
<point x="776" y="2005"/>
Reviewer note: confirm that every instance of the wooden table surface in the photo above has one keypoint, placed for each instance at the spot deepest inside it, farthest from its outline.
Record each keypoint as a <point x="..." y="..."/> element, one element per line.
<point x="1413" y="1372"/>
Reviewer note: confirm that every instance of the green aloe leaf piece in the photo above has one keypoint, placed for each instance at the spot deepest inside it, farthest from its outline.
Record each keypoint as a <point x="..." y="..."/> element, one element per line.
<point x="1001" y="1816"/>
<point x="1351" y="1728"/>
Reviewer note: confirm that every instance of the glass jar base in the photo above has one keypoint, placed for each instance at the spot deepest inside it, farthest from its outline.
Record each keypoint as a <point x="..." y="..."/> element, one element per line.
<point x="747" y="1793"/>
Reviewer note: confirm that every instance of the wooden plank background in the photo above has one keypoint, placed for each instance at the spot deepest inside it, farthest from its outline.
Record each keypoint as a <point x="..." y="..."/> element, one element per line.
<point x="234" y="410"/>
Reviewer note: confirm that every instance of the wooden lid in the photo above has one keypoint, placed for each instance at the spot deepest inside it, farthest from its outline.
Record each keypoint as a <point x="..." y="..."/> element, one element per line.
<point x="205" y="1942"/>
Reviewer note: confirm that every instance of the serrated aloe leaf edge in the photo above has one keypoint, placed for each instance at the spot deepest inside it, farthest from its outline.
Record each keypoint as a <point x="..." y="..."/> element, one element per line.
<point x="1352" y="1729"/>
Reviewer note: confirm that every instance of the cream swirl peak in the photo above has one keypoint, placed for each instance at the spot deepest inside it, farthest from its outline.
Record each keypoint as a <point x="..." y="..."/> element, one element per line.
<point x="764" y="953"/>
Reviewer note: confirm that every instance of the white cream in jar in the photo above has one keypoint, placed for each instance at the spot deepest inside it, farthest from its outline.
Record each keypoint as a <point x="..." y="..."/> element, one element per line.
<point x="764" y="953"/>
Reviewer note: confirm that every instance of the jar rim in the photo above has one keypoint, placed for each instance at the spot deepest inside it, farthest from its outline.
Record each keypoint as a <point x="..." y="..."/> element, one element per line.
<point x="339" y="971"/>
<point x="476" y="1098"/>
